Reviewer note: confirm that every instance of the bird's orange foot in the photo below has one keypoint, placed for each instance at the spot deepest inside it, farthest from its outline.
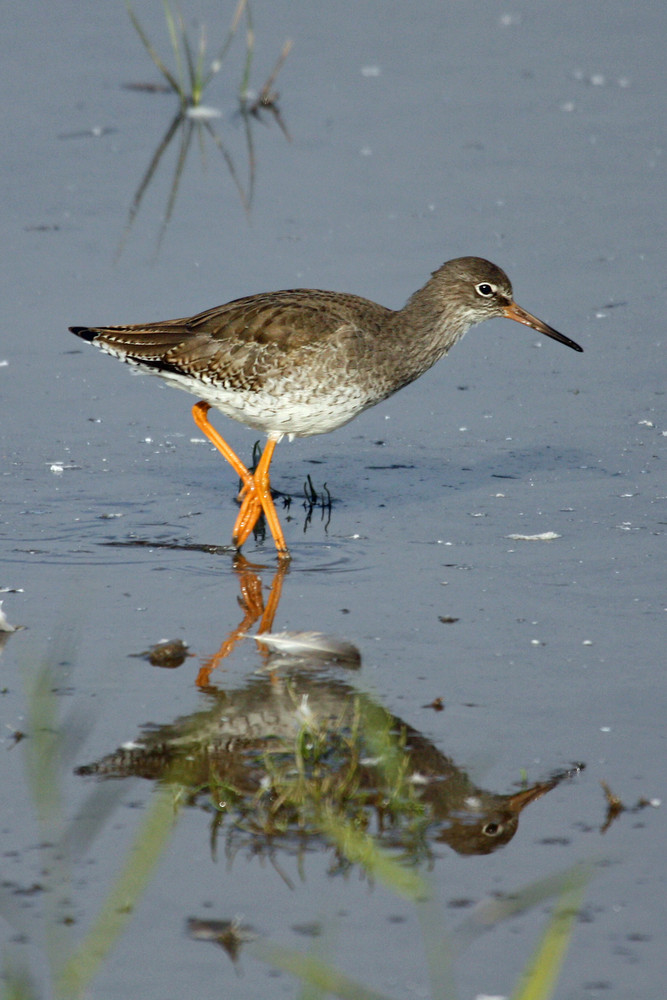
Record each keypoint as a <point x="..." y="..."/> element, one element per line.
<point x="248" y="516"/>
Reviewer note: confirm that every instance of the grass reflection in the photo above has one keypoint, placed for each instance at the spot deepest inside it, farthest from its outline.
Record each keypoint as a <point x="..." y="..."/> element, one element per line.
<point x="189" y="79"/>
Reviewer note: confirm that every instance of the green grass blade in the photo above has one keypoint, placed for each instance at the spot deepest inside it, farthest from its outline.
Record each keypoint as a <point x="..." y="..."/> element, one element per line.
<point x="250" y="51"/>
<point x="541" y="975"/>
<point x="171" y="80"/>
<point x="176" y="49"/>
<point x="191" y="63"/>
<point x="437" y="949"/>
<point x="361" y="848"/>
<point x="313" y="971"/>
<point x="494" y="911"/>
<point x="119" y="904"/>
<point x="217" y="62"/>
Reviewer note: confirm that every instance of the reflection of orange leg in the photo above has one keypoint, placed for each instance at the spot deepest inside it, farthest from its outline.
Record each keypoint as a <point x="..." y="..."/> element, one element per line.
<point x="266" y="623"/>
<point x="252" y="602"/>
<point x="261" y="500"/>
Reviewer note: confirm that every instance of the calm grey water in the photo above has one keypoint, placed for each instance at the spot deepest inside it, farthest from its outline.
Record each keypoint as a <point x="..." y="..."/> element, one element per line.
<point x="532" y="136"/>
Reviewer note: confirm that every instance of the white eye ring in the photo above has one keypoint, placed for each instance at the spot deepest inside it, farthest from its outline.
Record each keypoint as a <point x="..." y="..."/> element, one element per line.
<point x="486" y="289"/>
<point x="492" y="829"/>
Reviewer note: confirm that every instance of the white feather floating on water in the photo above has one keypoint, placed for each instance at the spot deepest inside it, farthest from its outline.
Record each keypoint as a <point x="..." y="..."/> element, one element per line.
<point x="310" y="645"/>
<point x="4" y="624"/>
<point x="546" y="536"/>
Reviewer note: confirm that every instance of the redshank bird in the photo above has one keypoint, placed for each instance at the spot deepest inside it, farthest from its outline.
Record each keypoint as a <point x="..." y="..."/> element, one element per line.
<point x="303" y="361"/>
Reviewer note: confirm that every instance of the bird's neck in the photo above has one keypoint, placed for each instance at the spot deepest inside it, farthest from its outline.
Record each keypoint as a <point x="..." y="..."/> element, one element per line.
<point x="425" y="329"/>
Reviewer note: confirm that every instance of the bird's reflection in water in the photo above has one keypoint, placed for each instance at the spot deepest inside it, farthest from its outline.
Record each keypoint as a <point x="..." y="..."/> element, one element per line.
<point x="299" y="748"/>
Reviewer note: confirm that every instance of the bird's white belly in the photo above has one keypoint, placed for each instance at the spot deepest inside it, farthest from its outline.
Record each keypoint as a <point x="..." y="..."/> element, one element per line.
<point x="284" y="409"/>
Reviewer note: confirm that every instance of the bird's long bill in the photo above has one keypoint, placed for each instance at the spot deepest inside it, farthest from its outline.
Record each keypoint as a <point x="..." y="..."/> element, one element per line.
<point x="515" y="312"/>
<point x="520" y="800"/>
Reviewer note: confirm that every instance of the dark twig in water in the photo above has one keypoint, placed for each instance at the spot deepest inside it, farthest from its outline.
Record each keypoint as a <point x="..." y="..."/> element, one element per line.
<point x="268" y="98"/>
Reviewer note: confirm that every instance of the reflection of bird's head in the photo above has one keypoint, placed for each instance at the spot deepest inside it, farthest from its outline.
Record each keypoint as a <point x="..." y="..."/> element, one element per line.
<point x="487" y="822"/>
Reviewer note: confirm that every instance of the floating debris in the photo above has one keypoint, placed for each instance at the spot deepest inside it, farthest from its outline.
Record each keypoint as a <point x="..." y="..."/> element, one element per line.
<point x="168" y="653"/>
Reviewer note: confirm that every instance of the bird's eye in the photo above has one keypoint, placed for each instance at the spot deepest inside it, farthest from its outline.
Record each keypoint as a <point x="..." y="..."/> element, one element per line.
<point x="485" y="289"/>
<point x="492" y="829"/>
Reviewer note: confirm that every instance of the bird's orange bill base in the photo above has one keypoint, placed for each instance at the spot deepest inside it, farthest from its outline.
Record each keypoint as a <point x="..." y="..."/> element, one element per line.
<point x="515" y="312"/>
<point x="256" y="489"/>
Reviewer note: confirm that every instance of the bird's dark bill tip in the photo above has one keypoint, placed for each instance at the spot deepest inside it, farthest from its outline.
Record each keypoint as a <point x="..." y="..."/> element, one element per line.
<point x="562" y="339"/>
<point x="519" y="315"/>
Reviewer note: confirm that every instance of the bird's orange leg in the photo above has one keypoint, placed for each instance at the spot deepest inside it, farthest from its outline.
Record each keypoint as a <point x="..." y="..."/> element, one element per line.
<point x="251" y="506"/>
<point x="249" y="514"/>
<point x="256" y="489"/>
<point x="199" y="411"/>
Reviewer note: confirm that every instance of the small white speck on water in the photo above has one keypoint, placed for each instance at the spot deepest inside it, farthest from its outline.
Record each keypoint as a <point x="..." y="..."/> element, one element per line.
<point x="57" y="468"/>
<point x="655" y="803"/>
<point x="587" y="642"/>
<point x="4" y="364"/>
<point x="592" y="79"/>
<point x="463" y="429"/>
<point x="646" y="423"/>
<point x="371" y="71"/>
<point x="568" y="106"/>
<point x="499" y="496"/>
<point x="366" y="151"/>
<point x="148" y="440"/>
<point x="197" y="440"/>
<point x="537" y="642"/>
<point x="605" y="729"/>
